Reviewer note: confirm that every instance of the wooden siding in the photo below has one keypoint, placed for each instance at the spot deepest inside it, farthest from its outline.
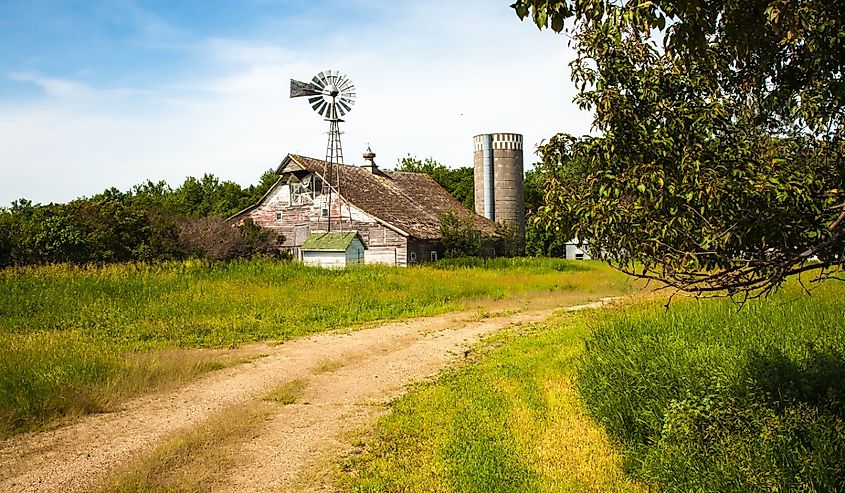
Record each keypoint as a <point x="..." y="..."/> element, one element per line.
<point x="422" y="250"/>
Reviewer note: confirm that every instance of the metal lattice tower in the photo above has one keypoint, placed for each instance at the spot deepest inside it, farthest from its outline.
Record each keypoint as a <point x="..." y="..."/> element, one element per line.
<point x="331" y="95"/>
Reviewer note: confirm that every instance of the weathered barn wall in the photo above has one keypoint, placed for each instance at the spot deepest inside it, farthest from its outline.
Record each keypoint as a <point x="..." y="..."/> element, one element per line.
<point x="421" y="251"/>
<point x="297" y="222"/>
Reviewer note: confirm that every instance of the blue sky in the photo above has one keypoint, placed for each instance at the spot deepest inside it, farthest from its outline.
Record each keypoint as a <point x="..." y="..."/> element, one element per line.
<point x="96" y="94"/>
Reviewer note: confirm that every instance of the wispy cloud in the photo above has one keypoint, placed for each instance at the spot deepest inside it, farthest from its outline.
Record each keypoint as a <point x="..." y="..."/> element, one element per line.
<point x="52" y="86"/>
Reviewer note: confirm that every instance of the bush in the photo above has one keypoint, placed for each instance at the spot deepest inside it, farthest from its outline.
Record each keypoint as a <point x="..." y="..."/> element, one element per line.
<point x="459" y="236"/>
<point x="512" y="239"/>
<point x="707" y="398"/>
<point x="216" y="238"/>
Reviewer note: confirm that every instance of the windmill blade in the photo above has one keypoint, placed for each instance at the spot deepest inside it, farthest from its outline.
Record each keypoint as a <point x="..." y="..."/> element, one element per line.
<point x="323" y="108"/>
<point x="317" y="94"/>
<point x="345" y="84"/>
<point x="300" y="89"/>
<point x="319" y="82"/>
<point x="324" y="76"/>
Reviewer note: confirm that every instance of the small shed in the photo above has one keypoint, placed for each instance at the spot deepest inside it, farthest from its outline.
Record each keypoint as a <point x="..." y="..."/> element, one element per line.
<point x="576" y="250"/>
<point x="335" y="249"/>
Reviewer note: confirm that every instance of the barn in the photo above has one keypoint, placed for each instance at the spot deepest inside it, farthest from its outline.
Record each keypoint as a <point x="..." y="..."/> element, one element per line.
<point x="396" y="215"/>
<point x="336" y="249"/>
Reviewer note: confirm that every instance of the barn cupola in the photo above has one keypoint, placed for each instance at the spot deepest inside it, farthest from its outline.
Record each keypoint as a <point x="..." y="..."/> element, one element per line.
<point x="370" y="161"/>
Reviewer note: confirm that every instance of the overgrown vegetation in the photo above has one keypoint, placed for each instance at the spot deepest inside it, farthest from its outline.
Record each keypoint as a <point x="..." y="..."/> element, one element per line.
<point x="72" y="339"/>
<point x="459" y="236"/>
<point x="707" y="397"/>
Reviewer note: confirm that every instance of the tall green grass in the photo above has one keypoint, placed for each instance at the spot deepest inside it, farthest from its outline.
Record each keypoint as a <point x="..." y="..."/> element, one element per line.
<point x="710" y="397"/>
<point x="70" y="337"/>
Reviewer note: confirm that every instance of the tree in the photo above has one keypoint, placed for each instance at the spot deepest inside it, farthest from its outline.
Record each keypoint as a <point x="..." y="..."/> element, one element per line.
<point x="459" y="236"/>
<point x="720" y="159"/>
<point x="542" y="237"/>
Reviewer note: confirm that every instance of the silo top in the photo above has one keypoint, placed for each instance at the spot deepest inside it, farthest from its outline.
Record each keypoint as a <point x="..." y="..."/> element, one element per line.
<point x="509" y="141"/>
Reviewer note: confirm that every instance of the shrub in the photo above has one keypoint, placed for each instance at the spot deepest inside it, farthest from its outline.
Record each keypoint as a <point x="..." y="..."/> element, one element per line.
<point x="215" y="238"/>
<point x="707" y="398"/>
<point x="459" y="236"/>
<point x="513" y="240"/>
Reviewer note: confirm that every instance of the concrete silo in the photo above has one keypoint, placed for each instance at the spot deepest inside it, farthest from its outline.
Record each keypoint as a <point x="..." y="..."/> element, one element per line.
<point x="499" y="193"/>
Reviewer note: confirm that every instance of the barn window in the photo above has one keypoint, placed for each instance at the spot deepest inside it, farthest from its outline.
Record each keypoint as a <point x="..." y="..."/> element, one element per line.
<point x="278" y="215"/>
<point x="413" y="256"/>
<point x="301" y="190"/>
<point x="324" y="212"/>
<point x="579" y="256"/>
<point x="434" y="256"/>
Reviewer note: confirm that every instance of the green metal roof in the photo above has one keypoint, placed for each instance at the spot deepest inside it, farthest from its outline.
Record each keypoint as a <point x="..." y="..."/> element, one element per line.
<point x="335" y="241"/>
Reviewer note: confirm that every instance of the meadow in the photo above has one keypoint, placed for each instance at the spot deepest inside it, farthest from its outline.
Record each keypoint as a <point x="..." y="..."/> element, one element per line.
<point x="77" y="340"/>
<point x="704" y="396"/>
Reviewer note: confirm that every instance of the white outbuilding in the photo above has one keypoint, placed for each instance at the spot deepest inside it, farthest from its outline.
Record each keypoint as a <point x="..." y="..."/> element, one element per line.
<point x="576" y="250"/>
<point x="336" y="249"/>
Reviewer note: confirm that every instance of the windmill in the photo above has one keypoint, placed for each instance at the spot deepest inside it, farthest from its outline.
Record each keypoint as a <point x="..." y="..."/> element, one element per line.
<point x="331" y="95"/>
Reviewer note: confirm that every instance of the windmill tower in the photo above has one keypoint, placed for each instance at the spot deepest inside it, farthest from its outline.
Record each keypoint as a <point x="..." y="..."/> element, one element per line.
<point x="331" y="95"/>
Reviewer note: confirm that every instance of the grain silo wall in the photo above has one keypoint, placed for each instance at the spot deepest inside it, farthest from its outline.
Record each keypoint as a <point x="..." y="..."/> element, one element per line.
<point x="498" y="169"/>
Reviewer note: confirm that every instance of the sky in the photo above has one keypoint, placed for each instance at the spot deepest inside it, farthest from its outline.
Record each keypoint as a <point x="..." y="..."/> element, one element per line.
<point x="98" y="94"/>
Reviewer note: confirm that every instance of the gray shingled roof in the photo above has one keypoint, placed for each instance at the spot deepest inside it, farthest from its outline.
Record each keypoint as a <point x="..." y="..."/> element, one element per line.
<point x="410" y="202"/>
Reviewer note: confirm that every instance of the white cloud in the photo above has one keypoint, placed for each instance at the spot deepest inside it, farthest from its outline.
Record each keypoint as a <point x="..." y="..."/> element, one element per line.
<point x="427" y="82"/>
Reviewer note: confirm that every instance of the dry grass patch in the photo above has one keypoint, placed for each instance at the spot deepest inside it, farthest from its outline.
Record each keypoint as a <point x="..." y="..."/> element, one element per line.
<point x="195" y="460"/>
<point x="288" y="392"/>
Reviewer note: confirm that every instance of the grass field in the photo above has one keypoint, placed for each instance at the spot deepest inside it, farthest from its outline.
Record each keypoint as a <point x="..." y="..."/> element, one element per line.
<point x="509" y="421"/>
<point x="702" y="397"/>
<point x="79" y="339"/>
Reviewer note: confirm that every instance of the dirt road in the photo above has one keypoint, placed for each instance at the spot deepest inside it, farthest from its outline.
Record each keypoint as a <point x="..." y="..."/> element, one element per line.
<point x="346" y="379"/>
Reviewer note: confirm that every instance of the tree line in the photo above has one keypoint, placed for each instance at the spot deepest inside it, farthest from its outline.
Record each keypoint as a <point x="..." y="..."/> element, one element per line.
<point x="152" y="221"/>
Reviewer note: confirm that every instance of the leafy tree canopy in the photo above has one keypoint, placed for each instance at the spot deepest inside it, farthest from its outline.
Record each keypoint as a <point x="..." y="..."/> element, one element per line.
<point x="718" y="161"/>
<point x="151" y="221"/>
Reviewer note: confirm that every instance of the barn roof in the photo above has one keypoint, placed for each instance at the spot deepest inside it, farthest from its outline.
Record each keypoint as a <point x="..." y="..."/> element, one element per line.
<point x="411" y="203"/>
<point x="335" y="241"/>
